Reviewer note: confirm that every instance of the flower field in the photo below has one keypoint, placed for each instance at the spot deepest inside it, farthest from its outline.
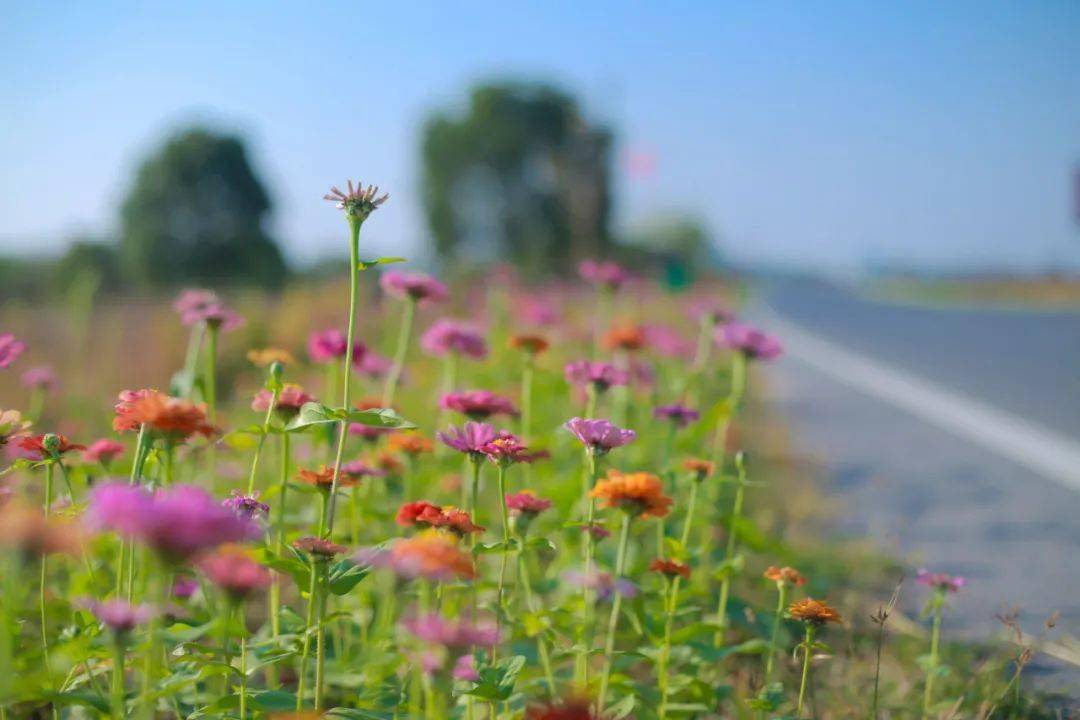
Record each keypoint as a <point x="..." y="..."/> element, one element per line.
<point x="410" y="499"/>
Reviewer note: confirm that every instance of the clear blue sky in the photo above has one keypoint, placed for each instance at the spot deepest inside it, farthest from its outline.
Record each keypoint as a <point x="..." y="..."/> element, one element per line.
<point x="818" y="133"/>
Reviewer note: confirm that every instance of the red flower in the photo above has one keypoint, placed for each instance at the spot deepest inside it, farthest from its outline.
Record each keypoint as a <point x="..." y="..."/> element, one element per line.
<point x="36" y="446"/>
<point x="670" y="568"/>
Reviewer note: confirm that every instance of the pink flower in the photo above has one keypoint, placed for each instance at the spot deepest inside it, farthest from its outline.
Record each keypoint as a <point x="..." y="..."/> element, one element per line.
<point x="236" y="572"/>
<point x="940" y="581"/>
<point x="603" y="273"/>
<point x="679" y="415"/>
<point x="755" y="344"/>
<point x="462" y="633"/>
<point x="666" y="341"/>
<point x="329" y="345"/>
<point x="470" y="439"/>
<point x="418" y="286"/>
<point x="10" y="349"/>
<point x="478" y="404"/>
<point x="247" y="507"/>
<point x="710" y="310"/>
<point x="465" y="669"/>
<point x="372" y="365"/>
<point x="103" y="451"/>
<point x="204" y="306"/>
<point x="600" y="375"/>
<point x="599" y="436"/>
<point x="178" y="522"/>
<point x="184" y="587"/>
<point x="525" y="503"/>
<point x="41" y="377"/>
<point x="537" y="310"/>
<point x="453" y="336"/>
<point x="358" y="469"/>
<point x="290" y="400"/>
<point x="507" y="450"/>
<point x="120" y="616"/>
<point x="368" y="432"/>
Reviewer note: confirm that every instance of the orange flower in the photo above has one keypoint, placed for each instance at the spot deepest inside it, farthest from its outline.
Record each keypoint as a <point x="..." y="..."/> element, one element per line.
<point x="265" y="356"/>
<point x="409" y="443"/>
<point x="813" y="611"/>
<point x="323" y="478"/>
<point x="368" y="404"/>
<point x="786" y="575"/>
<point x="701" y="468"/>
<point x="638" y="493"/>
<point x="173" y="417"/>
<point x="670" y="568"/>
<point x="624" y="337"/>
<point x="28" y="529"/>
<point x="532" y="344"/>
<point x="389" y="464"/>
<point x="431" y="554"/>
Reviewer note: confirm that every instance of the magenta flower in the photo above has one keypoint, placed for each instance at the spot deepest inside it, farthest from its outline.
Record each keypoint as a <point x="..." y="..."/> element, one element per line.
<point x="118" y="615"/>
<point x="40" y="378"/>
<point x="940" y="581"/>
<point x="667" y="341"/>
<point x="465" y="669"/>
<point x="247" y="507"/>
<point x="461" y="633"/>
<point x="329" y="345"/>
<point x="469" y="439"/>
<point x="600" y="375"/>
<point x="506" y="449"/>
<point x="184" y="587"/>
<point x="599" y="436"/>
<point x="538" y="310"/>
<point x="525" y="503"/>
<point x="368" y="432"/>
<point x="478" y="404"/>
<point x="10" y="349"/>
<point x="358" y="469"/>
<point x="290" y="400"/>
<point x="452" y="336"/>
<point x="371" y="364"/>
<point x="177" y="522"/>
<point x="679" y="415"/>
<point x="603" y="273"/>
<point x="417" y="286"/>
<point x="753" y="343"/>
<point x="103" y="451"/>
<point x="598" y="532"/>
<point x="204" y="306"/>
<point x="236" y="572"/>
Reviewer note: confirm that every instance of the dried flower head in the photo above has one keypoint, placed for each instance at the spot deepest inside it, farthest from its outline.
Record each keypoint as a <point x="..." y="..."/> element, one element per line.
<point x="359" y="202"/>
<point x="700" y="468"/>
<point x="319" y="549"/>
<point x="640" y="493"/>
<point x="531" y="344"/>
<point x="813" y="611"/>
<point x="670" y="568"/>
<point x="784" y="575"/>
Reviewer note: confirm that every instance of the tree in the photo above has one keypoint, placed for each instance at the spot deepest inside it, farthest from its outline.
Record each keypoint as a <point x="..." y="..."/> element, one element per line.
<point x="520" y="175"/>
<point x="195" y="213"/>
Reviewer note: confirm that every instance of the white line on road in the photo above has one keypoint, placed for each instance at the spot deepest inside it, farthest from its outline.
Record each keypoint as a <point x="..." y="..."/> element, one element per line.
<point x="1034" y="446"/>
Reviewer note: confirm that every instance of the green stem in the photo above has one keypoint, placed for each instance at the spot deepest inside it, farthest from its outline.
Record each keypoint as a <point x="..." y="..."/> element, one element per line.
<point x="781" y="597"/>
<point x="729" y="554"/>
<point x="320" y="640"/>
<point x="400" y="354"/>
<point x="581" y="662"/>
<point x="279" y="533"/>
<point x="276" y="393"/>
<point x="117" y="689"/>
<point x="243" y="661"/>
<point x="211" y="394"/>
<point x="672" y="597"/>
<point x="313" y="591"/>
<point x="807" y="651"/>
<point x="530" y="602"/>
<point x="935" y="641"/>
<point x="41" y="585"/>
<point x="691" y="504"/>
<point x="613" y="619"/>
<point x="526" y="398"/>
<point x="505" y="551"/>
<point x="877" y="667"/>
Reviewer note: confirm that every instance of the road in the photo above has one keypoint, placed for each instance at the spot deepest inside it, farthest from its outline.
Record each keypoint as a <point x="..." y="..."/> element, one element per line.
<point x="952" y="436"/>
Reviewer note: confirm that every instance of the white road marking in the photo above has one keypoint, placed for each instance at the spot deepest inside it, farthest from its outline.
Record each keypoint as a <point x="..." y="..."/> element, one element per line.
<point x="1036" y="447"/>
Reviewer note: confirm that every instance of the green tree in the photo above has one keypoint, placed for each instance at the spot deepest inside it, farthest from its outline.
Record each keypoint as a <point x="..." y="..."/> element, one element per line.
<point x="196" y="213"/>
<point x="520" y="175"/>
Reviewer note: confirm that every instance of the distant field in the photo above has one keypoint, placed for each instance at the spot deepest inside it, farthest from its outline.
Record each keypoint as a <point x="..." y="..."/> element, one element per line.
<point x="1041" y="292"/>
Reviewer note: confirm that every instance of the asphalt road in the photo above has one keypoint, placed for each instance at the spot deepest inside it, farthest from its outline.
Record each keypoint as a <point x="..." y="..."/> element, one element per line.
<point x="936" y="485"/>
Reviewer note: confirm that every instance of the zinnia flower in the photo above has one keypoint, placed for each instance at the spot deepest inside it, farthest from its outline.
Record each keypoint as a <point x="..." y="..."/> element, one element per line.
<point x="319" y="549"/>
<point x="461" y="633"/>
<point x="785" y="575"/>
<point x="637" y="493"/>
<point x="10" y="349"/>
<point x="599" y="436"/>
<point x="465" y="669"/>
<point x="12" y="426"/>
<point x="750" y="341"/>
<point x="679" y="415"/>
<point x="603" y="273"/>
<point x="531" y="344"/>
<point x="170" y="417"/>
<point x="49" y="445"/>
<point x="813" y="611"/>
<point x="478" y="404"/>
<point x="417" y="286"/>
<point x="431" y="555"/>
<point x="710" y="310"/>
<point x="265" y="357"/>
<point x="600" y="375"/>
<point x="119" y="615"/>
<point x="103" y="451"/>
<point x="26" y="529"/>
<point x="359" y="202"/>
<point x="371" y="364"/>
<point x="184" y="587"/>
<point x="507" y="450"/>
<point x="526" y="503"/>
<point x="409" y="443"/>
<point x="940" y="581"/>
<point x="247" y="507"/>
<point x="323" y="478"/>
<point x="452" y="336"/>
<point x="330" y="345"/>
<point x="470" y="439"/>
<point x="234" y="570"/>
<point x="624" y="337"/>
<point x="700" y="468"/>
<point x="290" y="400"/>
<point x="666" y="341"/>
<point x="670" y="568"/>
<point x="40" y="378"/>
<point x="425" y="514"/>
<point x="204" y="306"/>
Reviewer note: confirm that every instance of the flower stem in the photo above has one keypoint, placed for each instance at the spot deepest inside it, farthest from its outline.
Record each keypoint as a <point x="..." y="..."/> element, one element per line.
<point x="781" y="597"/>
<point x="313" y="591"/>
<point x="729" y="554"/>
<point x="279" y="533"/>
<point x="117" y="688"/>
<point x="581" y="662"/>
<point x="243" y="661"/>
<point x="402" y="351"/>
<point x="613" y="619"/>
<point x="276" y="393"/>
<point x="807" y="650"/>
<point x="663" y="672"/>
<point x="211" y="392"/>
<point x="935" y="640"/>
<point x="530" y="602"/>
<point x="41" y="586"/>
<point x="505" y="550"/>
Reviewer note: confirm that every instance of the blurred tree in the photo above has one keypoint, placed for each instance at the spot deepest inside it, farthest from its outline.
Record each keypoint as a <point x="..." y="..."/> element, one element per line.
<point x="195" y="214"/>
<point x="680" y="244"/>
<point x="520" y="176"/>
<point x="88" y="262"/>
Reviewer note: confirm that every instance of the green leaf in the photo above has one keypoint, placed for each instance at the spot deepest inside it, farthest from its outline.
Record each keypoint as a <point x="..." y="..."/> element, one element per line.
<point x="82" y="698"/>
<point x="357" y="714"/>
<point x="368" y="264"/>
<point x="314" y="413"/>
<point x="272" y="700"/>
<point x="345" y="574"/>
<point x="623" y="708"/>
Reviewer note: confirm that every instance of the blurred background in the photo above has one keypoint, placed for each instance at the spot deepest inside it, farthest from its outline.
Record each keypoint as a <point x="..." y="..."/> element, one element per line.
<point x="898" y="185"/>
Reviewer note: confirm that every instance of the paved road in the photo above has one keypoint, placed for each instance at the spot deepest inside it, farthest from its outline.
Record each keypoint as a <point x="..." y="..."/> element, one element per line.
<point x="928" y="486"/>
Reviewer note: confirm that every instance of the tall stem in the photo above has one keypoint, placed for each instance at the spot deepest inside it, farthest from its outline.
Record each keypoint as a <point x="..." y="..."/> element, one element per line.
<point x="935" y="640"/>
<point x="313" y="591"/>
<point x="729" y="554"/>
<point x="672" y="597"/>
<point x="581" y="662"/>
<point x="530" y="602"/>
<point x="613" y="619"/>
<point x="402" y="351"/>
<point x="275" y="395"/>
<point x="243" y="661"/>
<point x="781" y="597"/>
<point x="505" y="551"/>
<point x="49" y="468"/>
<point x="526" y="397"/>
<point x="116" y="690"/>
<point x="279" y="533"/>
<point x="211" y="392"/>
<point x="807" y="651"/>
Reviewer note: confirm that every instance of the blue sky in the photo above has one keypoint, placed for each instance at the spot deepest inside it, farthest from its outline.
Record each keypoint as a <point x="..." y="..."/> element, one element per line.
<point x="823" y="134"/>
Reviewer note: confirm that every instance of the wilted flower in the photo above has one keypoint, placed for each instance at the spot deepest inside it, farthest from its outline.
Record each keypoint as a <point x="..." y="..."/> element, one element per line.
<point x="359" y="202"/>
<point x="290" y="400"/>
<point x="10" y="349"/>
<point x="103" y="451"/>
<point x="785" y="575"/>
<point x="670" y="568"/>
<point x="425" y="514"/>
<point x="39" y="378"/>
<point x="28" y="530"/>
<point x="469" y="439"/>
<point x="417" y="286"/>
<point x="12" y="426"/>
<point x="461" y="633"/>
<point x="119" y="615"/>
<point x="409" y="443"/>
<point x="601" y="583"/>
<point x="247" y="507"/>
<point x="599" y="436"/>
<point x="49" y="445"/>
<point x="319" y="548"/>
<point x="813" y="612"/>
<point x="600" y="375"/>
<point x="169" y="417"/>
<point x="750" y="341"/>
<point x="679" y="415"/>
<point x="264" y="357"/>
<point x="940" y="581"/>
<point x="235" y="570"/>
<point x="178" y="522"/>
<point x="603" y="273"/>
<point x="624" y="337"/>
<point x="531" y="344"/>
<point x="637" y="493"/>
<point x="431" y="555"/>
<point x="478" y="404"/>
<point x="700" y="468"/>
<point x="453" y="336"/>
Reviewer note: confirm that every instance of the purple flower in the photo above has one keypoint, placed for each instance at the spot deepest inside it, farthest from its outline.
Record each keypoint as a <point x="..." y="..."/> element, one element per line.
<point x="600" y="375"/>
<point x="184" y="587"/>
<point x="601" y="583"/>
<point x="418" y="286"/>
<point x="465" y="669"/>
<point x="753" y="343"/>
<point x="247" y="507"/>
<point x="41" y="377"/>
<point x="118" y="615"/>
<point x="603" y="273"/>
<point x="470" y="439"/>
<point x="940" y="581"/>
<point x="10" y="349"/>
<point x="358" y="469"/>
<point x="478" y="404"/>
<point x="329" y="345"/>
<point x="679" y="415"/>
<point x="178" y="522"/>
<point x="599" y="436"/>
<point x="453" y="336"/>
<point x="437" y="630"/>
